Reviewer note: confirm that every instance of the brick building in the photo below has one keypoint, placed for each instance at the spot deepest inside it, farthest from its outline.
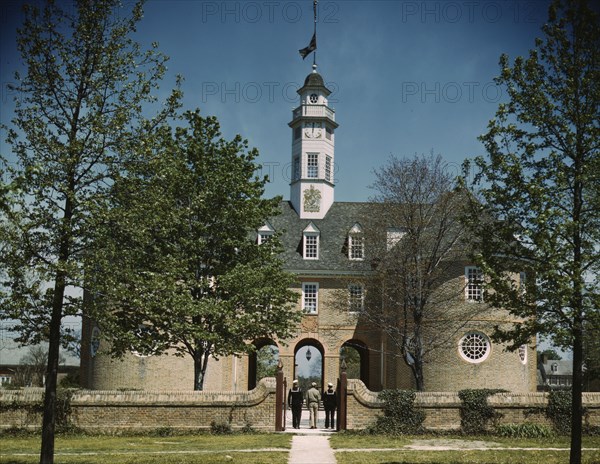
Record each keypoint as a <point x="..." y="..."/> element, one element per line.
<point x="326" y="247"/>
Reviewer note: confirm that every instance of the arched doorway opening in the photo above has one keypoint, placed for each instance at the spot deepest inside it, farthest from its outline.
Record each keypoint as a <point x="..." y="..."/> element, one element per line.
<point x="356" y="355"/>
<point x="262" y="362"/>
<point x="308" y="363"/>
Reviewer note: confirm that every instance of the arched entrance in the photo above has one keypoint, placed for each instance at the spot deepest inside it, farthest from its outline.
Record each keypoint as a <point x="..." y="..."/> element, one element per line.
<point x="262" y="362"/>
<point x="356" y="355"/>
<point x="308" y="363"/>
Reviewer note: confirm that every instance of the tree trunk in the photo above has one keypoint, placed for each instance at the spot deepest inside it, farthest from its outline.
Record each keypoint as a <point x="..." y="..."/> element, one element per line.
<point x="200" y="365"/>
<point x="576" y="404"/>
<point x="49" y="420"/>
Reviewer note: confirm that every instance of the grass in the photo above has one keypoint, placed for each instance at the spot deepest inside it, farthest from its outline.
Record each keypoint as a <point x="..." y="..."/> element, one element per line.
<point x="264" y="448"/>
<point x="391" y="451"/>
<point x="205" y="449"/>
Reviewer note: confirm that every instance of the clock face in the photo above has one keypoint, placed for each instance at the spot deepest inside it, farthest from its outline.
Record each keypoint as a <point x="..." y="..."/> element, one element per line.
<point x="314" y="98"/>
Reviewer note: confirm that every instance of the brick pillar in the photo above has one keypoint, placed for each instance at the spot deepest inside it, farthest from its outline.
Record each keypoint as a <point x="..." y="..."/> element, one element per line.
<point x="342" y="398"/>
<point x="280" y="408"/>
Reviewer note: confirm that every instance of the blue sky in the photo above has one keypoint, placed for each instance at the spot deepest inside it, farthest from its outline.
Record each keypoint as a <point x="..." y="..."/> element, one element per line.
<point x="407" y="77"/>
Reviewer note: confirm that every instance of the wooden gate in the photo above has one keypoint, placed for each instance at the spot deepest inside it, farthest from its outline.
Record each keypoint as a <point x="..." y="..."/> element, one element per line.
<point x="280" y="399"/>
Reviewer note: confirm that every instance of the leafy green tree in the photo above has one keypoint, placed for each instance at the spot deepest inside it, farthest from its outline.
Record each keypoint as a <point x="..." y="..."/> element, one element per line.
<point x="267" y="359"/>
<point x="78" y="109"/>
<point x="538" y="191"/>
<point x="551" y="355"/>
<point x="177" y="265"/>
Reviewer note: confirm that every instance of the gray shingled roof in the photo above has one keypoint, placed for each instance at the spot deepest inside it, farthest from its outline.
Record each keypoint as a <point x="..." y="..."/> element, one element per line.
<point x="334" y="228"/>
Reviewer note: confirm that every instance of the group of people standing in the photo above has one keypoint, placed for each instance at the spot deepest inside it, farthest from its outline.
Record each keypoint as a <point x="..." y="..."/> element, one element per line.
<point x="313" y="398"/>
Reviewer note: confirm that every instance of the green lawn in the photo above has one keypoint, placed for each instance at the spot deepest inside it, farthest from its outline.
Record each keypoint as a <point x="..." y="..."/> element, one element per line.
<point x="274" y="449"/>
<point x="205" y="449"/>
<point x="392" y="452"/>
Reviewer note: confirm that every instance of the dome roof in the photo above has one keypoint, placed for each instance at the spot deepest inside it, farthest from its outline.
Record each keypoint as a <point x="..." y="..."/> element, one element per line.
<point x="314" y="79"/>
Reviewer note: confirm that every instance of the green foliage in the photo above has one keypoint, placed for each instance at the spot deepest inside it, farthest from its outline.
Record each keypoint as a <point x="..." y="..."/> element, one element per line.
<point x="400" y="414"/>
<point x="164" y="432"/>
<point x="475" y="412"/>
<point x="559" y="410"/>
<point x="190" y="276"/>
<point x="220" y="428"/>
<point x="524" y="431"/>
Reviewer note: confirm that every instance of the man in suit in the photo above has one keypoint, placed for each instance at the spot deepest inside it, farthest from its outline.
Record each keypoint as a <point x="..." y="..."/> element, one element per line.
<point x="329" y="404"/>
<point x="295" y="400"/>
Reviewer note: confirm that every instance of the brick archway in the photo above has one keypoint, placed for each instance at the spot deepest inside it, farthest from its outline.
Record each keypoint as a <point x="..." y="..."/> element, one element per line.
<point x="363" y="352"/>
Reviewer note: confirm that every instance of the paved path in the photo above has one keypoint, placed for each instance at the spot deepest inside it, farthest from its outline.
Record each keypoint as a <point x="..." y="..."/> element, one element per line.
<point x="310" y="446"/>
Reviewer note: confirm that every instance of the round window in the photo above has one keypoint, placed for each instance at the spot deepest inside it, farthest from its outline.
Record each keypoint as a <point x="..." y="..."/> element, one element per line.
<point x="314" y="98"/>
<point x="474" y="347"/>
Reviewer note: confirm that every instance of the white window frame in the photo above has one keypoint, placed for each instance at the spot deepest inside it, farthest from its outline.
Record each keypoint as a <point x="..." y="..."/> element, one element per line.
<point x="473" y="284"/>
<point x="356" y="297"/>
<point x="480" y="336"/>
<point x="328" y="166"/>
<point x="355" y="234"/>
<point x="312" y="165"/>
<point x="264" y="233"/>
<point x="313" y="295"/>
<point x="311" y="243"/>
<point x="311" y="234"/>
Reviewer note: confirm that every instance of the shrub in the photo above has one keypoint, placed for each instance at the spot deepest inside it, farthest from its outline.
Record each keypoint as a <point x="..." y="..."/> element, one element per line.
<point x="475" y="412"/>
<point x="524" y="431"/>
<point x="559" y="410"/>
<point x="220" y="428"/>
<point x="400" y="415"/>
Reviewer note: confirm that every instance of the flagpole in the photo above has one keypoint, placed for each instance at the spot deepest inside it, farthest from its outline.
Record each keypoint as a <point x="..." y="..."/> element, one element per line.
<point x="315" y="33"/>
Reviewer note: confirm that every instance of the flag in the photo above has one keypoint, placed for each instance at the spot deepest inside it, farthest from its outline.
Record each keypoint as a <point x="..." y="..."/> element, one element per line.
<point x="311" y="48"/>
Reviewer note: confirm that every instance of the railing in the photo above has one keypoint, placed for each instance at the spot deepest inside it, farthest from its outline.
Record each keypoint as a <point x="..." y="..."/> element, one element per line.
<point x="314" y="110"/>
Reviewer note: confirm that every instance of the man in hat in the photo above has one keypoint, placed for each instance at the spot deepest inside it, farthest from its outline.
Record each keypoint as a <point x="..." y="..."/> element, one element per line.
<point x="329" y="404"/>
<point x="295" y="400"/>
<point x="313" y="397"/>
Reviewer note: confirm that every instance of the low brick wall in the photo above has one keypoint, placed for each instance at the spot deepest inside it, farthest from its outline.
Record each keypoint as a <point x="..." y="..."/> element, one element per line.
<point x="114" y="411"/>
<point x="442" y="409"/>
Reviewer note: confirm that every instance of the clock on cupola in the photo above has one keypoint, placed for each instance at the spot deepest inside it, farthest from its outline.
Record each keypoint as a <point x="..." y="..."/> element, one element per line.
<point x="313" y="127"/>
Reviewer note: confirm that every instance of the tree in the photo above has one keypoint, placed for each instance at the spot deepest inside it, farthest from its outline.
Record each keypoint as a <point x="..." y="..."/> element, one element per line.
<point x="539" y="187"/>
<point x="32" y="367"/>
<point x="267" y="359"/>
<point x="551" y="355"/>
<point x="190" y="277"/>
<point x="78" y="110"/>
<point x="415" y="240"/>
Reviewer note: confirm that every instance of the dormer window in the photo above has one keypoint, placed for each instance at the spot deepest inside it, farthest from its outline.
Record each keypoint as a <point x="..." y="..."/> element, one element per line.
<point x="394" y="235"/>
<point x="356" y="243"/>
<point x="311" y="242"/>
<point x="265" y="233"/>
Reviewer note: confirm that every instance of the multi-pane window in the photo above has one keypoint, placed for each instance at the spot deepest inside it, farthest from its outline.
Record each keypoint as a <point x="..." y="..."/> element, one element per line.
<point x="474" y="281"/>
<point x="356" y="247"/>
<point x="296" y="168"/>
<point x="328" y="168"/>
<point x="356" y="296"/>
<point x="310" y="297"/>
<point x="474" y="347"/>
<point x="263" y="237"/>
<point x="311" y="246"/>
<point x="312" y="165"/>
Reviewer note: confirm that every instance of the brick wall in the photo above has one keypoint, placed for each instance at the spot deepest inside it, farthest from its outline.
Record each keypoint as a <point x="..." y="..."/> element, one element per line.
<point x="114" y="411"/>
<point x="442" y="410"/>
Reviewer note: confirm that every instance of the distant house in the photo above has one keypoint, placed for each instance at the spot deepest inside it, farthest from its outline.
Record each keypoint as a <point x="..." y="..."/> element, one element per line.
<point x="11" y="355"/>
<point x="554" y="374"/>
